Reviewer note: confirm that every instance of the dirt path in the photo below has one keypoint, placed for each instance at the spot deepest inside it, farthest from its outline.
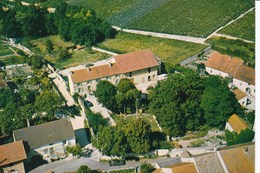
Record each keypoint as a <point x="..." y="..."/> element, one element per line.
<point x="162" y="35"/>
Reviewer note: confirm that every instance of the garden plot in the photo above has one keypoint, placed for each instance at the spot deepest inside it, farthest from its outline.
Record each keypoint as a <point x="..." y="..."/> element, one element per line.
<point x="20" y="70"/>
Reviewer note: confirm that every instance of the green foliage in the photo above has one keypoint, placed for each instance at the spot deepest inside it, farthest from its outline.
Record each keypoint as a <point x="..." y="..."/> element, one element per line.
<point x="176" y="104"/>
<point x="96" y="120"/>
<point x="242" y="28"/>
<point x="74" y="150"/>
<point x="49" y="46"/>
<point x="218" y="102"/>
<point x="85" y="169"/>
<point x="134" y="136"/>
<point x="106" y="94"/>
<point x="147" y="168"/>
<point x="251" y="118"/>
<point x="125" y="85"/>
<point x="48" y="102"/>
<point x="237" y="48"/>
<point x="36" y="61"/>
<point x="244" y="136"/>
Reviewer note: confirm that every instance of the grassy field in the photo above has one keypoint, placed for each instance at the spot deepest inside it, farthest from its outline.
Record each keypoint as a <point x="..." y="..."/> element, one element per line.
<point x="11" y="60"/>
<point x="78" y="56"/>
<point x="170" y="51"/>
<point x="242" y="28"/>
<point x="194" y="18"/>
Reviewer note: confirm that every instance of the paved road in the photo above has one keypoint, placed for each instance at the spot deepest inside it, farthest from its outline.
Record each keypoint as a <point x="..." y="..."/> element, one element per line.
<point x="91" y="162"/>
<point x="63" y="89"/>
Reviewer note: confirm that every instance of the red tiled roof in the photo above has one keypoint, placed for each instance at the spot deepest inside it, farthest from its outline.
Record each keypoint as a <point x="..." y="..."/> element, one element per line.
<point x="11" y="153"/>
<point x="124" y="63"/>
<point x="224" y="63"/>
<point x="246" y="74"/>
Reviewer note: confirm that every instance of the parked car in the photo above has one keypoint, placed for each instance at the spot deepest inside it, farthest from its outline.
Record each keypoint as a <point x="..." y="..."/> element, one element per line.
<point x="88" y="103"/>
<point x="116" y="162"/>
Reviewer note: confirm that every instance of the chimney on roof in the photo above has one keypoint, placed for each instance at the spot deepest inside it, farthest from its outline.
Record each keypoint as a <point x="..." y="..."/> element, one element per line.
<point x="245" y="149"/>
<point x="89" y="69"/>
<point x="110" y="64"/>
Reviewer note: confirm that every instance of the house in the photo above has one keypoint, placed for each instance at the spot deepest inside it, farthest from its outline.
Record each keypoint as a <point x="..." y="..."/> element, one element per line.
<point x="241" y="97"/>
<point x="235" y="123"/>
<point x="12" y="157"/>
<point x="239" y="158"/>
<point x="141" y="67"/>
<point x="184" y="167"/>
<point x="243" y="77"/>
<point x="231" y="159"/>
<point x="49" y="139"/>
<point x="222" y="65"/>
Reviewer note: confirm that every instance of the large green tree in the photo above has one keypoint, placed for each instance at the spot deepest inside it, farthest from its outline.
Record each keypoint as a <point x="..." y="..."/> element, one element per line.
<point x="176" y="104"/>
<point x="111" y="141"/>
<point x="48" y="102"/>
<point x="106" y="94"/>
<point x="218" y="102"/>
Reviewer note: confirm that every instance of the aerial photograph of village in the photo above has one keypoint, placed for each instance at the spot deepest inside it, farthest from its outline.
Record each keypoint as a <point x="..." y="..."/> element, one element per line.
<point x="127" y="86"/>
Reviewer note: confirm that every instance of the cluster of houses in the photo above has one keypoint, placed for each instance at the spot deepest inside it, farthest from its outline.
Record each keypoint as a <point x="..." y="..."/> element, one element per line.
<point x="143" y="68"/>
<point x="233" y="159"/>
<point x="242" y="77"/>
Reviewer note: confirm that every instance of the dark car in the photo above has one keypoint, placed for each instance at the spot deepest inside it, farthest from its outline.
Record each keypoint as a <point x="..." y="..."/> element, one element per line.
<point x="116" y="162"/>
<point x="88" y="103"/>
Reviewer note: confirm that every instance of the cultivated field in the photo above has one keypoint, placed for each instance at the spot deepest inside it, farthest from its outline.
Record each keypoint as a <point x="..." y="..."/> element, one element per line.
<point x="169" y="51"/>
<point x="194" y="18"/>
<point x="242" y="28"/>
<point x="183" y="17"/>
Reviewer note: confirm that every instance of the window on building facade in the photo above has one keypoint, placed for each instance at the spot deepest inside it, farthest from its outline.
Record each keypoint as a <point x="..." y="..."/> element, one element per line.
<point x="130" y="74"/>
<point x="149" y="78"/>
<point x="149" y="70"/>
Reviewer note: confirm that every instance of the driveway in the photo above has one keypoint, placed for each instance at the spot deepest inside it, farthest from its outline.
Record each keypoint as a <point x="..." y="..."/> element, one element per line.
<point x="98" y="108"/>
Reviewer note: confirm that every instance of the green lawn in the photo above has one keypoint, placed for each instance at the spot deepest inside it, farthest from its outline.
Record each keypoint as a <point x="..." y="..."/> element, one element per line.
<point x="194" y="18"/>
<point x="78" y="56"/>
<point x="146" y="117"/>
<point x="242" y="28"/>
<point x="4" y="50"/>
<point x="169" y="51"/>
<point x="11" y="60"/>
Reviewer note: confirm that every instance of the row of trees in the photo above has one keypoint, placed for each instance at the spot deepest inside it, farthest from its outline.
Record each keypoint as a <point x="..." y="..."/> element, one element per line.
<point x="133" y="136"/>
<point x="183" y="103"/>
<point x="118" y="98"/>
<point x="72" y="23"/>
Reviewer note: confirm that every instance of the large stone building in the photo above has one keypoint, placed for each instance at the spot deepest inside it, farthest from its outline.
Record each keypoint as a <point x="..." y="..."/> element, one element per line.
<point x="140" y="67"/>
<point x="48" y="140"/>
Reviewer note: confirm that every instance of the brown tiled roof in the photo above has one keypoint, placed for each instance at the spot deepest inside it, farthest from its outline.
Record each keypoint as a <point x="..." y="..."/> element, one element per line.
<point x="246" y="74"/>
<point x="124" y="63"/>
<point x="184" y="167"/>
<point x="237" y="123"/>
<point x="239" y="94"/>
<point x="239" y="159"/>
<point x="11" y="153"/>
<point x="224" y="63"/>
<point x="46" y="133"/>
